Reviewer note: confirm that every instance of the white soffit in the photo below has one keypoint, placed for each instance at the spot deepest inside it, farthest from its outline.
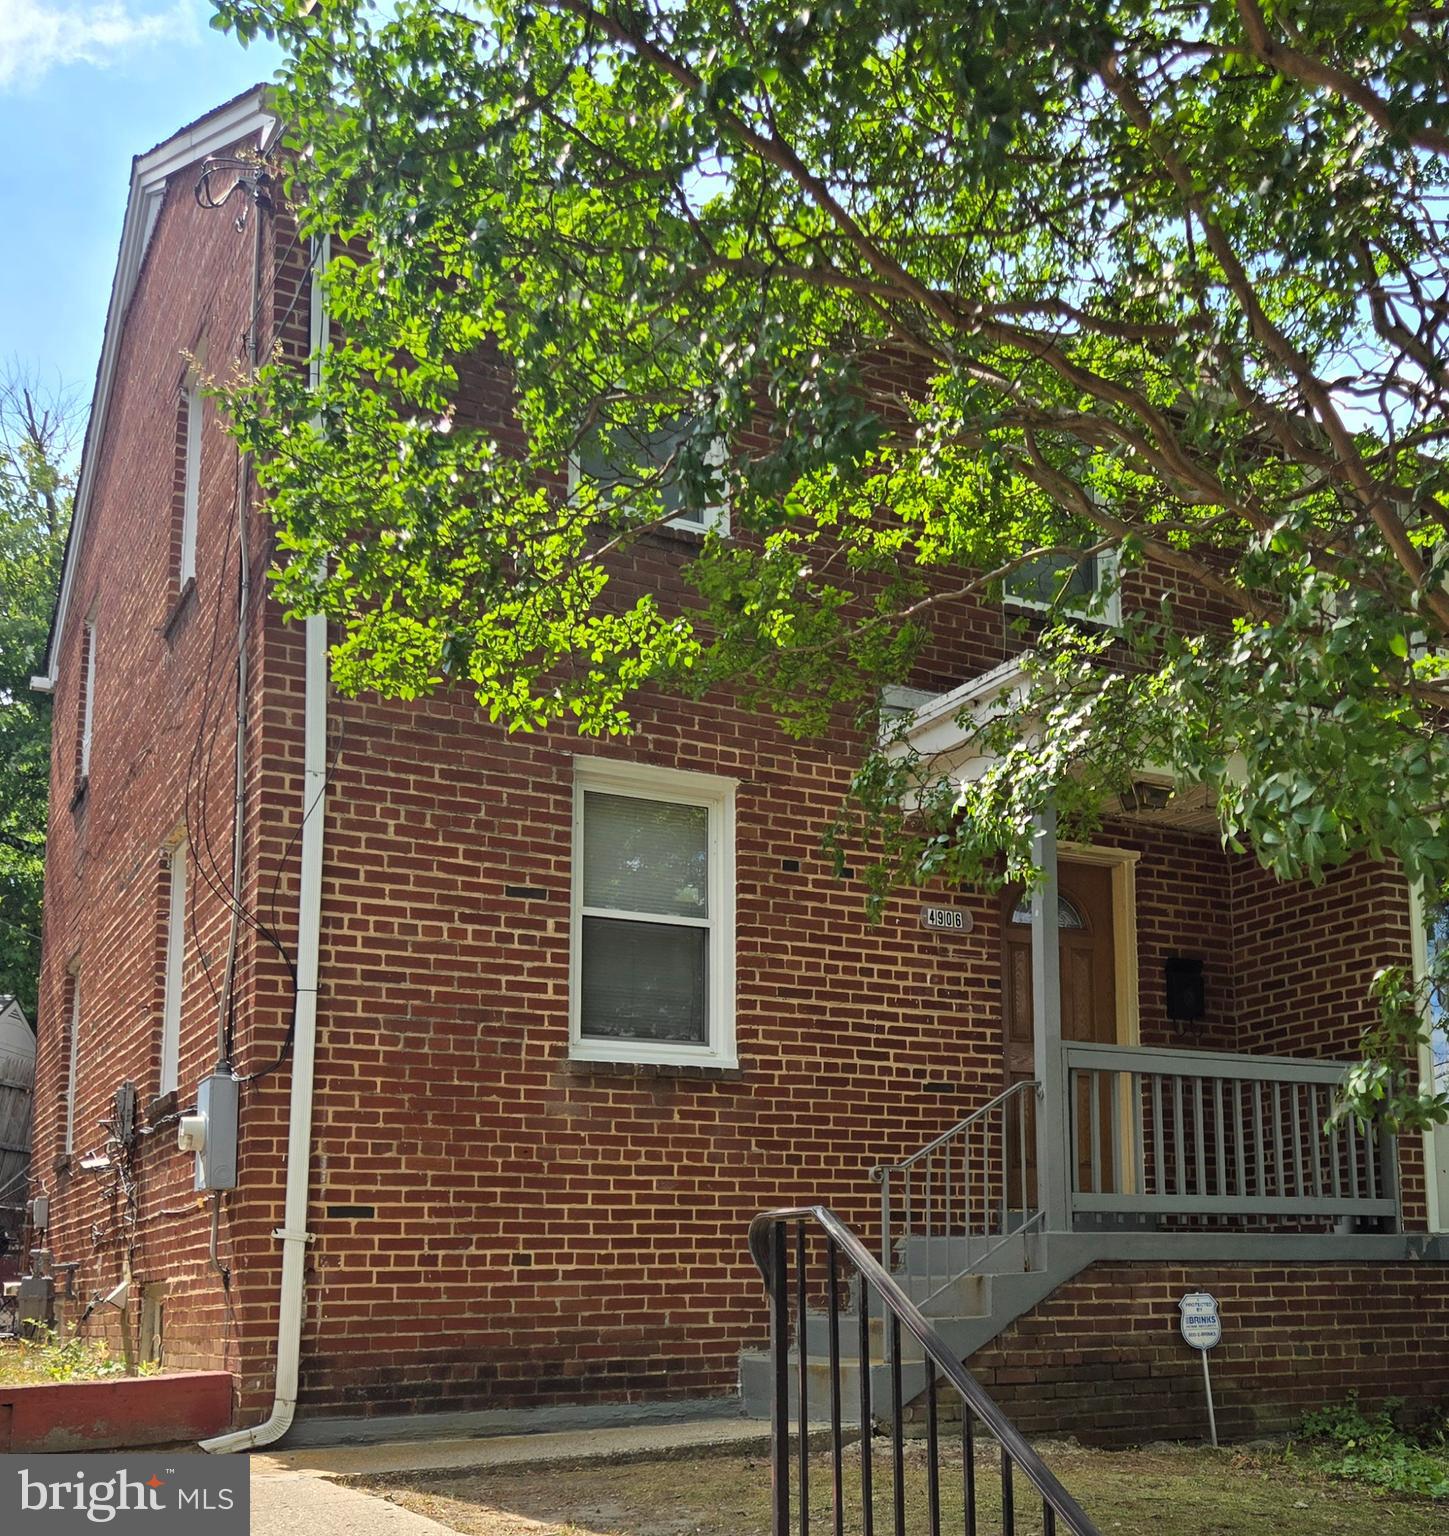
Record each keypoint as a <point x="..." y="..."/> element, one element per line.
<point x="944" y="731"/>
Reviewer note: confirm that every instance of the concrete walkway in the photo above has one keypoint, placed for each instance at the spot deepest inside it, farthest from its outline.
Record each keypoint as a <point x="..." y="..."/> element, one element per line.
<point x="300" y="1504"/>
<point x="305" y="1492"/>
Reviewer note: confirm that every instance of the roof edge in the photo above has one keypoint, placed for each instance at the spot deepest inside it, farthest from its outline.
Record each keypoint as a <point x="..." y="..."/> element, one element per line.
<point x="225" y="125"/>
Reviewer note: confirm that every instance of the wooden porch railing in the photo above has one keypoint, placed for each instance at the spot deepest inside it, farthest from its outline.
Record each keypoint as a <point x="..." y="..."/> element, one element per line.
<point x="1196" y="1134"/>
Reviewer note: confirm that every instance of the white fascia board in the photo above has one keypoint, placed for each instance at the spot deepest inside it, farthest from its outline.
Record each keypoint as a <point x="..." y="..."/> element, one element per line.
<point x="936" y="734"/>
<point x="243" y="118"/>
<point x="935" y="731"/>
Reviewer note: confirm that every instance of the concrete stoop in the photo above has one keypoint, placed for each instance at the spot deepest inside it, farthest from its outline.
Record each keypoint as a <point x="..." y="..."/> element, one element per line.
<point x="968" y="1311"/>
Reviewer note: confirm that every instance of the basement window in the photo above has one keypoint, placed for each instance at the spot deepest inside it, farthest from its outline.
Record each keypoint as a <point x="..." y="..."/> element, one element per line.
<point x="653" y="916"/>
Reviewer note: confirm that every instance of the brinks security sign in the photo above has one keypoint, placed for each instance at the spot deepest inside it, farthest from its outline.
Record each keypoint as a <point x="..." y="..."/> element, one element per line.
<point x="132" y="1495"/>
<point x="1199" y="1321"/>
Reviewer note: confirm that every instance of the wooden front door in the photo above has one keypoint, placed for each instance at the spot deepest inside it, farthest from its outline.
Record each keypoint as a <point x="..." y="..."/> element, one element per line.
<point x="1088" y="952"/>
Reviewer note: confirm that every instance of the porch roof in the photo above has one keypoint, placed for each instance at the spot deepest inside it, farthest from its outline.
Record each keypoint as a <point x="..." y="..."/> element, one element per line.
<point x="944" y="730"/>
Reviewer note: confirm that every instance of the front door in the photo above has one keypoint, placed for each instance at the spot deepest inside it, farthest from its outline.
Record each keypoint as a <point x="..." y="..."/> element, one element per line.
<point x="1088" y="952"/>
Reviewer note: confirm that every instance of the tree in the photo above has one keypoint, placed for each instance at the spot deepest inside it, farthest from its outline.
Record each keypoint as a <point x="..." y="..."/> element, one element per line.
<point x="1165" y="279"/>
<point x="36" y="438"/>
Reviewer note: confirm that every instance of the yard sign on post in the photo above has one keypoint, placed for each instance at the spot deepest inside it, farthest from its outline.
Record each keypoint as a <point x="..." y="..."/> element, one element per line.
<point x="1202" y="1328"/>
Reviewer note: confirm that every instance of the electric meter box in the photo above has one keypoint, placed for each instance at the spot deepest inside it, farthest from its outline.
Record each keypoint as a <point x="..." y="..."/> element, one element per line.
<point x="218" y="1101"/>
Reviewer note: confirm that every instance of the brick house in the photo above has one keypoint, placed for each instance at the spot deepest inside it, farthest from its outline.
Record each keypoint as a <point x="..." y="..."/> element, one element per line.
<point x="527" y="1030"/>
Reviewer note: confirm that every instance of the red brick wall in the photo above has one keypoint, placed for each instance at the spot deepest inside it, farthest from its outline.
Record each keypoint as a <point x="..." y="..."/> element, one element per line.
<point x="546" y="1229"/>
<point x="1306" y="954"/>
<point x="1184" y="907"/>
<point x="1102" y="1358"/>
<point x="1305" y="960"/>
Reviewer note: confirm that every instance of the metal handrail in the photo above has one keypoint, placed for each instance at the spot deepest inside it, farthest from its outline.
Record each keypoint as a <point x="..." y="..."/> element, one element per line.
<point x="1150" y="1058"/>
<point x="767" y="1248"/>
<point x="953" y="1193"/>
<point x="881" y="1169"/>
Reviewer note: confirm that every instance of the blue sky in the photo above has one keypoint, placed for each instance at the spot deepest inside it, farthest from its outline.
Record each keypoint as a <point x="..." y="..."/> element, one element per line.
<point x="84" y="86"/>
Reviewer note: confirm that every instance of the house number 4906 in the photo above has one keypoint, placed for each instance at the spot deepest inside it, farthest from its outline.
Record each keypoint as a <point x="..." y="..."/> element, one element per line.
<point x="946" y="919"/>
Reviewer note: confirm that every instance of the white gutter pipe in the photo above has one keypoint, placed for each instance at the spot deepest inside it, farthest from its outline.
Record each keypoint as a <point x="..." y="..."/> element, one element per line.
<point x="293" y="1231"/>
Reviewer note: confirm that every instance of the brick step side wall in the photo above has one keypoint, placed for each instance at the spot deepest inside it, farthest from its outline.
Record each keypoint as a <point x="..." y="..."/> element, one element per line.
<point x="1102" y="1358"/>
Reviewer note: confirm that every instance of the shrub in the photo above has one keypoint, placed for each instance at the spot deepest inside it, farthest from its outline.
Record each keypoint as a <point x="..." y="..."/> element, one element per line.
<point x="1369" y="1446"/>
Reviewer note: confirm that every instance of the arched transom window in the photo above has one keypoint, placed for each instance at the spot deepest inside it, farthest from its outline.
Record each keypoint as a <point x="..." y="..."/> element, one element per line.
<point x="1067" y="914"/>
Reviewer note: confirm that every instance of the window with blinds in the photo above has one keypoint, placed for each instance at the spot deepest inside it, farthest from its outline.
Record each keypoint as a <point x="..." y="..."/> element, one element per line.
<point x="653" y="919"/>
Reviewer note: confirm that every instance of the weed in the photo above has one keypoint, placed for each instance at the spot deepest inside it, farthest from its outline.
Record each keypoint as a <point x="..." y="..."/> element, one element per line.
<point x="1369" y="1446"/>
<point x="53" y="1357"/>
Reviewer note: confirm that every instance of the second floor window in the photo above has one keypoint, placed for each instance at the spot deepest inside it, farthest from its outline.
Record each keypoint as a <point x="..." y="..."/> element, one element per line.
<point x="72" y="1060"/>
<point x="86" y="703"/>
<point x="650" y="458"/>
<point x="1085" y="586"/>
<point x="189" y="438"/>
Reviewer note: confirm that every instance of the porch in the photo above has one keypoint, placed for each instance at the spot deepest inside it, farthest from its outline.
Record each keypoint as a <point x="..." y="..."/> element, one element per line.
<point x="1143" y="1148"/>
<point x="1115" y="1118"/>
<point x="1102" y="1134"/>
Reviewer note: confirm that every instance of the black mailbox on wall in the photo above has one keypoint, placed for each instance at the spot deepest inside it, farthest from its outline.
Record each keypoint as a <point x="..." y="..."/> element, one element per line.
<point x="1186" y="991"/>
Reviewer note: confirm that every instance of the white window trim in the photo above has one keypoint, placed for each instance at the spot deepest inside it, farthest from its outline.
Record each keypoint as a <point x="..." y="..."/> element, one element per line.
<point x="1109" y="614"/>
<point x="713" y="519"/>
<point x="175" y="963"/>
<point x="191" y="482"/>
<point x="644" y="782"/>
<point x="88" y="698"/>
<point x="72" y="1069"/>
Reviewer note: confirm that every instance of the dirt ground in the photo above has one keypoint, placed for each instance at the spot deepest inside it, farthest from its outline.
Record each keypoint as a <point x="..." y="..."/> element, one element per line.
<point x="1158" y="1491"/>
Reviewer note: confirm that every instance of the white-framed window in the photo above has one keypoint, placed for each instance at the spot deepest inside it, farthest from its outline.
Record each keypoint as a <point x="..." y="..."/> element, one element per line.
<point x="648" y="453"/>
<point x="652" y="976"/>
<point x="190" y="481"/>
<point x="87" y="697"/>
<point x="1037" y="585"/>
<point x="72" y="1060"/>
<point x="175" y="961"/>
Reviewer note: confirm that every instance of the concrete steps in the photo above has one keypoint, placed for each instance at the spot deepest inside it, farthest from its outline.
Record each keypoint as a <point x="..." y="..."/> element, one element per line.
<point x="757" y="1387"/>
<point x="968" y="1310"/>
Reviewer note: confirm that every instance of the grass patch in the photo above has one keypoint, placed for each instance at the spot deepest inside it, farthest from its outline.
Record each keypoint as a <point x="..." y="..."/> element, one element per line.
<point x="51" y="1358"/>
<point x="1159" y="1491"/>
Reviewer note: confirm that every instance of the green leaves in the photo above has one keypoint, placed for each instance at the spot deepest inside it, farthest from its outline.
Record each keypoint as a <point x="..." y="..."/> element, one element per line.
<point x="941" y="295"/>
<point x="35" y="493"/>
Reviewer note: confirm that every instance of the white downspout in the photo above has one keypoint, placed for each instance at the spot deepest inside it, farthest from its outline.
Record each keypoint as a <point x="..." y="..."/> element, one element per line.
<point x="293" y="1231"/>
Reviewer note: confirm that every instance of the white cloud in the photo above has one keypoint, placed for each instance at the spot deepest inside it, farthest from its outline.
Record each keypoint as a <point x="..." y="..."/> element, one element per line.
<point x="37" y="36"/>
